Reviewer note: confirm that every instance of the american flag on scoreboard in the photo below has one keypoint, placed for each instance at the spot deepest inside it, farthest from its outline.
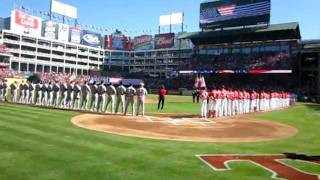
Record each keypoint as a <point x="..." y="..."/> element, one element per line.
<point x="227" y="12"/>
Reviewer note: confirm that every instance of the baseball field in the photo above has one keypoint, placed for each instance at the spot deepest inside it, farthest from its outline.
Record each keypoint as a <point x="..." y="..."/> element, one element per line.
<point x="39" y="143"/>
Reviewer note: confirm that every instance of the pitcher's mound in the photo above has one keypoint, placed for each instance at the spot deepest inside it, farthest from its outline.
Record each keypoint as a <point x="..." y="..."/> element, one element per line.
<point x="234" y="129"/>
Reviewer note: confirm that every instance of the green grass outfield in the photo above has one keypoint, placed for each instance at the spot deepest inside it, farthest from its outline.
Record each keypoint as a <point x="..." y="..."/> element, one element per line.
<point x="43" y="144"/>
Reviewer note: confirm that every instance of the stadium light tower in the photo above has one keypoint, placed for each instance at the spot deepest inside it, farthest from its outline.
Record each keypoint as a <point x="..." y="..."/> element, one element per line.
<point x="63" y="9"/>
<point x="171" y="19"/>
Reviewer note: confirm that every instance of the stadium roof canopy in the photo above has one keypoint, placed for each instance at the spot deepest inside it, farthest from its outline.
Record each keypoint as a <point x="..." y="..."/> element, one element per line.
<point x="311" y="45"/>
<point x="286" y="31"/>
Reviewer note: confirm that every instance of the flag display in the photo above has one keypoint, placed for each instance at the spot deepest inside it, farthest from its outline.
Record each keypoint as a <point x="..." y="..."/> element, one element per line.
<point x="234" y="13"/>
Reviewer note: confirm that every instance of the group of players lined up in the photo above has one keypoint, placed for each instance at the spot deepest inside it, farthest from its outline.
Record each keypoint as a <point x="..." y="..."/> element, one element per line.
<point x="221" y="102"/>
<point x="97" y="97"/>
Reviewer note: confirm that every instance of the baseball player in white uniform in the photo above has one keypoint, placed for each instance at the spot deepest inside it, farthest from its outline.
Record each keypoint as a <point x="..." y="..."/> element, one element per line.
<point x="141" y="96"/>
<point x="111" y="91"/>
<point x="14" y="91"/>
<point x="121" y="91"/>
<point x="204" y="102"/>
<point x="130" y="92"/>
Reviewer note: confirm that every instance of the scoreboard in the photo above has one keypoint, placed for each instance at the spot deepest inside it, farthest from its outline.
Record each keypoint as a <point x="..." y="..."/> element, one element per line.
<point x="232" y="13"/>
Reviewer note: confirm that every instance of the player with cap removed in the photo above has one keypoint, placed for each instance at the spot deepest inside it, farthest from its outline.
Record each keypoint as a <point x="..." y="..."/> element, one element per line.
<point x="4" y="91"/>
<point x="55" y="94"/>
<point x="121" y="91"/>
<point x="21" y="92"/>
<point x="203" y="102"/>
<point x="141" y="97"/>
<point x="101" y="97"/>
<point x="111" y="92"/>
<point x="130" y="93"/>
<point x="1" y="90"/>
<point x="14" y="93"/>
<point x="85" y="93"/>
<point x="76" y="96"/>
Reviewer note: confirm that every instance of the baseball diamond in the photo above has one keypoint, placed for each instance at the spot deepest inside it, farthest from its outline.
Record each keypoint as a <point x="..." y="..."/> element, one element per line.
<point x="216" y="89"/>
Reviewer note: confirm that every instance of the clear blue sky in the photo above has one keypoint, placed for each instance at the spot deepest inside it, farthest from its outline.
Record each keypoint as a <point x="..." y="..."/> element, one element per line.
<point x="141" y="15"/>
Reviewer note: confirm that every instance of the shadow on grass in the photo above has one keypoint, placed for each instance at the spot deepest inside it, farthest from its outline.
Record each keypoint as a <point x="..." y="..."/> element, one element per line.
<point x="294" y="156"/>
<point x="315" y="107"/>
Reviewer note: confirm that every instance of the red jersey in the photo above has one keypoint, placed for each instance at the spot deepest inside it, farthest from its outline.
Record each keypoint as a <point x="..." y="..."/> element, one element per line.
<point x="211" y="94"/>
<point x="163" y="92"/>
<point x="203" y="94"/>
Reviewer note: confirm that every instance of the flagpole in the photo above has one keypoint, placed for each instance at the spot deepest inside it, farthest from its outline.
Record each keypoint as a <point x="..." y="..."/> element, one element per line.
<point x="51" y="10"/>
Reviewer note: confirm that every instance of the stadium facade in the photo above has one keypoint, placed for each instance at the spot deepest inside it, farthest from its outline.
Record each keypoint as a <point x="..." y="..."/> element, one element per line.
<point x="38" y="54"/>
<point x="255" y="52"/>
<point x="40" y="45"/>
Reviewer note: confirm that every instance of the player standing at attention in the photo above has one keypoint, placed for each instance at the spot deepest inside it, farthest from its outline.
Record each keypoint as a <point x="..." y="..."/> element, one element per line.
<point x="76" y="96"/>
<point x="212" y="102"/>
<point x="1" y="91"/>
<point x="21" y="92"/>
<point x="4" y="91"/>
<point x="85" y="93"/>
<point x="111" y="92"/>
<point x="141" y="96"/>
<point x="162" y="95"/>
<point x="55" y="98"/>
<point x="130" y="92"/>
<point x="203" y="94"/>
<point x="101" y="97"/>
<point x="121" y="91"/>
<point x="14" y="94"/>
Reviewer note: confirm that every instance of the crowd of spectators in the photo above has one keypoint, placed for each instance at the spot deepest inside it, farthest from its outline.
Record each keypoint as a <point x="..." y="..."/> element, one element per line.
<point x="5" y="73"/>
<point x="62" y="77"/>
<point x="254" y="61"/>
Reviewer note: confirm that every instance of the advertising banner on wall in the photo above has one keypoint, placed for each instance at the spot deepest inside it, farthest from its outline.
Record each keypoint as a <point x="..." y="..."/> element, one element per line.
<point x="63" y="32"/>
<point x="75" y="35"/>
<point x="92" y="39"/>
<point x="164" y="41"/>
<point x="50" y="30"/>
<point x="144" y="42"/>
<point x="182" y="43"/>
<point x="118" y="41"/>
<point x="25" y="24"/>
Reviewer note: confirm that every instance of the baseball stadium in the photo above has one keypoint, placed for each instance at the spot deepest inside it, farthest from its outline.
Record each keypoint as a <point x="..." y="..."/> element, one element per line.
<point x="235" y="98"/>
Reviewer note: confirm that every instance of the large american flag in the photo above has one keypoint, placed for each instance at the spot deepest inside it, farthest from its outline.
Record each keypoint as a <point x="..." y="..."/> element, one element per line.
<point x="227" y="10"/>
<point x="211" y="14"/>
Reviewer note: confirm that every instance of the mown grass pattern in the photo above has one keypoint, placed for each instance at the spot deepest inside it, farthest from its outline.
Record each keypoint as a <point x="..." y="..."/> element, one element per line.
<point x="42" y="144"/>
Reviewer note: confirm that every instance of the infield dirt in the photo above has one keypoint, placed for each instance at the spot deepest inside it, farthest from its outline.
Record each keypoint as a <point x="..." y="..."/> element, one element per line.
<point x="187" y="128"/>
